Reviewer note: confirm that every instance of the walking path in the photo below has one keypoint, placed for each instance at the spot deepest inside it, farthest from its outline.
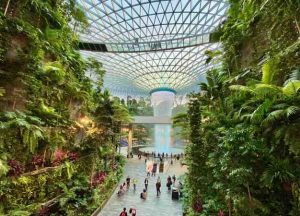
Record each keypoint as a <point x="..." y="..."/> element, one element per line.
<point x="161" y="205"/>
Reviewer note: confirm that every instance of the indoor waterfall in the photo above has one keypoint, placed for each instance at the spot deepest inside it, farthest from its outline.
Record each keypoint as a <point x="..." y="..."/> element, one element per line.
<point x="162" y="102"/>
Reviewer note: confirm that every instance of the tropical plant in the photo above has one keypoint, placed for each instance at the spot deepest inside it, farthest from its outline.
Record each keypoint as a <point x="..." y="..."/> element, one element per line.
<point x="243" y="157"/>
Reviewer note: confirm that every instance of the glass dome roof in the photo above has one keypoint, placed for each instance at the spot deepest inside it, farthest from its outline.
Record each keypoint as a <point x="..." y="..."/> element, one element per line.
<point x="148" y="44"/>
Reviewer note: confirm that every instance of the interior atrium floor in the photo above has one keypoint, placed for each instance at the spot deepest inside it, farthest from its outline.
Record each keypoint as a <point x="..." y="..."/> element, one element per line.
<point x="161" y="205"/>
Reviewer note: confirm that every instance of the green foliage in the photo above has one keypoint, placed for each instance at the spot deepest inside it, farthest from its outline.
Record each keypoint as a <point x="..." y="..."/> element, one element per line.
<point x="52" y="99"/>
<point x="180" y="121"/>
<point x="29" y="128"/>
<point x="140" y="107"/>
<point x="268" y="71"/>
<point x="243" y="157"/>
<point x="2" y="91"/>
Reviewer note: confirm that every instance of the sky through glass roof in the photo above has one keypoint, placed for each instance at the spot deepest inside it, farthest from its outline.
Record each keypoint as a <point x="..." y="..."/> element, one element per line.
<point x="152" y="43"/>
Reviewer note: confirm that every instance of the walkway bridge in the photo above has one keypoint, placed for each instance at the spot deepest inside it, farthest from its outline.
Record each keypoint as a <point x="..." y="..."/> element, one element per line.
<point x="151" y="120"/>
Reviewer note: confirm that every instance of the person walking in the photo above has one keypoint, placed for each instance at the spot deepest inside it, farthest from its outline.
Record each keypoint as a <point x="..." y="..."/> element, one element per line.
<point x="124" y="187"/>
<point x="169" y="182"/>
<point x="174" y="179"/>
<point x="124" y="212"/>
<point x="120" y="190"/>
<point x="132" y="211"/>
<point x="128" y="182"/>
<point x="158" y="185"/>
<point x="154" y="168"/>
<point x="146" y="183"/>
<point x="134" y="181"/>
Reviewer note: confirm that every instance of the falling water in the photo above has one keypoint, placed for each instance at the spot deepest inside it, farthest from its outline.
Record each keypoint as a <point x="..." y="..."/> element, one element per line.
<point x="162" y="137"/>
<point x="162" y="102"/>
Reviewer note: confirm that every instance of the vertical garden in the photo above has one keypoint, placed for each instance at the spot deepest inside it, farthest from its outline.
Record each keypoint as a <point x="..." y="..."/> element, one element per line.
<point x="244" y="156"/>
<point x="58" y="127"/>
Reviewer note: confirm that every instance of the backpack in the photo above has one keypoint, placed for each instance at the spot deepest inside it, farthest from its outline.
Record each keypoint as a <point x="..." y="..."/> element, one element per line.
<point x="123" y="214"/>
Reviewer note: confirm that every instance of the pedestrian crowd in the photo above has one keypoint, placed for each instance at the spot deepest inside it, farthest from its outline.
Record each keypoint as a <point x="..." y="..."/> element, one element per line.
<point x="143" y="195"/>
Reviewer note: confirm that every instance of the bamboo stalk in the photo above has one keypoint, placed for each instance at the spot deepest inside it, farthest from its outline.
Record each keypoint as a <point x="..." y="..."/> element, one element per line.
<point x="40" y="171"/>
<point x="249" y="194"/>
<point x="229" y="207"/>
<point x="297" y="25"/>
<point x="6" y="8"/>
<point x="47" y="169"/>
<point x="55" y="199"/>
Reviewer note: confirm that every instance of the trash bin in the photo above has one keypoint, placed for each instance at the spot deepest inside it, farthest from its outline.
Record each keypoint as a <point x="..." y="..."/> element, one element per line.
<point x="175" y="193"/>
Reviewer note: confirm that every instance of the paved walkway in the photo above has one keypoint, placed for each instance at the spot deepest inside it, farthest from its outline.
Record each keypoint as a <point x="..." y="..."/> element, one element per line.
<point x="161" y="205"/>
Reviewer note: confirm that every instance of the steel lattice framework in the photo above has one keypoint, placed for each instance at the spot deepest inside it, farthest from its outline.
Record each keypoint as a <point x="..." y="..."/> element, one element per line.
<point x="152" y="43"/>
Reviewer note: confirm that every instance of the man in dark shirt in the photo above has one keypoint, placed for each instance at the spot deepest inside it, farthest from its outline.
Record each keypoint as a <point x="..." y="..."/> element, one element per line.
<point x="128" y="181"/>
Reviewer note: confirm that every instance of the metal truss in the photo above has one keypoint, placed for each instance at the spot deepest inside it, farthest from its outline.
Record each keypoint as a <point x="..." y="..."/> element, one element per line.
<point x="152" y="43"/>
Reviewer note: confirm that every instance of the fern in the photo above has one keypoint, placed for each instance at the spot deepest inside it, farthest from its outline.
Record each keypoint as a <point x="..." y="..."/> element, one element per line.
<point x="261" y="110"/>
<point x="241" y="88"/>
<point x="273" y="117"/>
<point x="291" y="88"/>
<point x="268" y="71"/>
<point x="292" y="110"/>
<point x="266" y="90"/>
<point x="295" y="75"/>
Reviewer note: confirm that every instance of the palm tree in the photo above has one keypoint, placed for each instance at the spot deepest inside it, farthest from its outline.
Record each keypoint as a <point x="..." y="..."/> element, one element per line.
<point x="105" y="109"/>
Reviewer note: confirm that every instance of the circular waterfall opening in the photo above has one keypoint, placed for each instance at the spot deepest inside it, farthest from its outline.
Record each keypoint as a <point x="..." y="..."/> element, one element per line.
<point x="162" y="102"/>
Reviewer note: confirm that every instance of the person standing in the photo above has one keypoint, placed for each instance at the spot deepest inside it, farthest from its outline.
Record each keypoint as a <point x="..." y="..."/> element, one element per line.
<point x="146" y="183"/>
<point x="124" y="212"/>
<point x="128" y="182"/>
<point x="134" y="181"/>
<point x="132" y="211"/>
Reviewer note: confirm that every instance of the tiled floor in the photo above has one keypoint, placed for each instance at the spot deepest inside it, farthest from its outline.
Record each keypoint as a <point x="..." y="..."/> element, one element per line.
<point x="161" y="205"/>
